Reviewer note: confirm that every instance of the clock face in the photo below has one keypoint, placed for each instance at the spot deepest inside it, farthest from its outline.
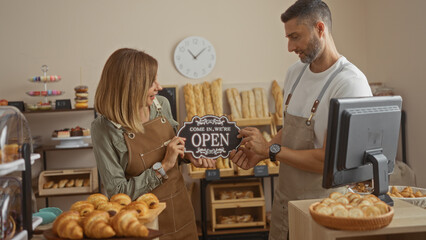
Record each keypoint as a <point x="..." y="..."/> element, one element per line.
<point x="194" y="57"/>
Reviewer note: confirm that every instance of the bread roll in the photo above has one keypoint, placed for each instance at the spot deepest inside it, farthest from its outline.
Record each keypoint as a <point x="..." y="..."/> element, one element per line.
<point x="188" y="92"/>
<point x="121" y="198"/>
<point x="252" y="104"/>
<point x="70" y="183"/>
<point x="55" y="185"/>
<point x="232" y="105"/>
<point x="198" y="97"/>
<point x="48" y="184"/>
<point x="86" y="182"/>
<point x="126" y="224"/>
<point x="208" y="105"/>
<point x="62" y="183"/>
<point x="67" y="225"/>
<point x="79" y="182"/>
<point x="277" y="93"/>
<point x="216" y="89"/>
<point x="96" y="199"/>
<point x="83" y="207"/>
<point x="150" y="199"/>
<point x="96" y="225"/>
<point x="245" y="102"/>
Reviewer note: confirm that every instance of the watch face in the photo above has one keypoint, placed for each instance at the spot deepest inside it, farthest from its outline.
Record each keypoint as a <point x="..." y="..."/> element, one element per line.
<point x="194" y="57"/>
<point x="275" y="148"/>
<point x="157" y="166"/>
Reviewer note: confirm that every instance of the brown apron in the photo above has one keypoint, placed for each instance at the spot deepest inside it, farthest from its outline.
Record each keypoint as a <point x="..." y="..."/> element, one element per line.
<point x="295" y="184"/>
<point x="177" y="221"/>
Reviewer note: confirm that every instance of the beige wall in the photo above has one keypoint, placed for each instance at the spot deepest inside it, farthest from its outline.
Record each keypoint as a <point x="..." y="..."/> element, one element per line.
<point x="74" y="38"/>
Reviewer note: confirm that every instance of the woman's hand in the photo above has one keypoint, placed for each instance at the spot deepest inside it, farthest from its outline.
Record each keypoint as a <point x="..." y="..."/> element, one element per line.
<point x="201" y="162"/>
<point x="175" y="148"/>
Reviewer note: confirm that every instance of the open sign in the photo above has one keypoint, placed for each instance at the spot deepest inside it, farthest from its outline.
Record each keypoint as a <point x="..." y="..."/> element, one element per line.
<point x="210" y="136"/>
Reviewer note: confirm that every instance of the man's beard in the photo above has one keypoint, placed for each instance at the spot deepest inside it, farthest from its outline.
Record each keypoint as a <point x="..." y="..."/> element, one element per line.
<point x="312" y="51"/>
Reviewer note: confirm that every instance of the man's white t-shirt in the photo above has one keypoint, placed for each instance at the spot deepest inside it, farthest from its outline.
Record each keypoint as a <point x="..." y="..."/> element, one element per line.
<point x="350" y="82"/>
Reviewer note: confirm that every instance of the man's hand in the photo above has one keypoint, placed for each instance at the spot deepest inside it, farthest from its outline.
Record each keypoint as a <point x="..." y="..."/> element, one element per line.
<point x="244" y="158"/>
<point x="254" y="141"/>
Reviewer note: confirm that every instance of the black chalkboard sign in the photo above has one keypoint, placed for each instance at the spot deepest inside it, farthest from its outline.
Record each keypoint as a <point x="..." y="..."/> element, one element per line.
<point x="261" y="171"/>
<point x="170" y="92"/>
<point x="210" y="136"/>
<point x="18" y="104"/>
<point x="63" y="104"/>
<point x="212" y="174"/>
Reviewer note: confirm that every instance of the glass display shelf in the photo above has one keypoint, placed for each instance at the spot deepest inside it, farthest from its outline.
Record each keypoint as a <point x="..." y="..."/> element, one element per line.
<point x="17" y="165"/>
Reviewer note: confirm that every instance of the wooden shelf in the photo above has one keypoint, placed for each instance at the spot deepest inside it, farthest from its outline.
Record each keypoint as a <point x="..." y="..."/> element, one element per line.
<point x="58" y="110"/>
<point x="54" y="148"/>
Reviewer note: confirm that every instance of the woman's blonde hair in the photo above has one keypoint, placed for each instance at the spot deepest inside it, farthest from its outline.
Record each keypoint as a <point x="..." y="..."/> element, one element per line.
<point x="123" y="88"/>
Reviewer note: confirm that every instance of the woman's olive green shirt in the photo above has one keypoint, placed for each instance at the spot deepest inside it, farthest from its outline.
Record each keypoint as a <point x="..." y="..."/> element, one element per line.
<point x="112" y="155"/>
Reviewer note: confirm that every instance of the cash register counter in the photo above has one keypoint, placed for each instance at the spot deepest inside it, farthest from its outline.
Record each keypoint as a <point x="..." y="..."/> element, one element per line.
<point x="409" y="222"/>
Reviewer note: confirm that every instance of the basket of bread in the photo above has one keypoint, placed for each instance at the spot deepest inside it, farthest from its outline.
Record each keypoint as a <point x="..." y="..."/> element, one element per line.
<point x="413" y="195"/>
<point x="100" y="218"/>
<point x="352" y="211"/>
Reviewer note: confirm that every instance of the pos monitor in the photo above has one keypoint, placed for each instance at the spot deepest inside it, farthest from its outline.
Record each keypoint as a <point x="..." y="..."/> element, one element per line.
<point x="362" y="141"/>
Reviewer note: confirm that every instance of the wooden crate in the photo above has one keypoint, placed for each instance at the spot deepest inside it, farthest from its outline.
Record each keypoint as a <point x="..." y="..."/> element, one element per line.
<point x="201" y="173"/>
<point x="57" y="175"/>
<point x="250" y="122"/>
<point x="255" y="206"/>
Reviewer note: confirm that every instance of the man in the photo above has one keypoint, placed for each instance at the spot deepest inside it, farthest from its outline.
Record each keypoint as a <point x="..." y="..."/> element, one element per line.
<point x="321" y="74"/>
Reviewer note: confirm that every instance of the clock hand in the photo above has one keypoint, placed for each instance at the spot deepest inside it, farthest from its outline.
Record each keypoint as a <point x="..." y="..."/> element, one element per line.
<point x="192" y="54"/>
<point x="199" y="53"/>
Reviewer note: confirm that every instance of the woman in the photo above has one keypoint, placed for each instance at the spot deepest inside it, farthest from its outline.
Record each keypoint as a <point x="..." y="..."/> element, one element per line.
<point x="132" y="119"/>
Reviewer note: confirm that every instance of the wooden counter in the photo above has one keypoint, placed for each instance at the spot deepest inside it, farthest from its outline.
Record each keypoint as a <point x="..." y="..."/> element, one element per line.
<point x="409" y="222"/>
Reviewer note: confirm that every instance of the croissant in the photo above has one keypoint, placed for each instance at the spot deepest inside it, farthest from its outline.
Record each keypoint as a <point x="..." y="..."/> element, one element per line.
<point x="126" y="224"/>
<point x="111" y="207"/>
<point x="96" y="225"/>
<point x="121" y="198"/>
<point x="150" y="199"/>
<point x="97" y="199"/>
<point x="141" y="207"/>
<point x="83" y="207"/>
<point x="67" y="225"/>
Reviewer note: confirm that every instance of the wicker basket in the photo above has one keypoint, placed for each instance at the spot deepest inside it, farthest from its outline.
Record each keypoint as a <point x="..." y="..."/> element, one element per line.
<point x="353" y="224"/>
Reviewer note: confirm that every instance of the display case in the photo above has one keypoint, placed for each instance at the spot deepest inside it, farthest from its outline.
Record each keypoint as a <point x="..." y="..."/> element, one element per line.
<point x="15" y="195"/>
<point x="237" y="205"/>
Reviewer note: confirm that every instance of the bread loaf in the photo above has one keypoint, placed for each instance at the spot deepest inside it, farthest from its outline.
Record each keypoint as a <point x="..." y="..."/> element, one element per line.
<point x="198" y="97"/>
<point x="208" y="105"/>
<point x="216" y="89"/>
<point x="252" y="104"/>
<point x="67" y="225"/>
<point x="232" y="104"/>
<point x="277" y="93"/>
<point x="188" y="93"/>
<point x="126" y="224"/>
<point x="96" y="225"/>
<point x="245" y="102"/>
<point x="258" y="102"/>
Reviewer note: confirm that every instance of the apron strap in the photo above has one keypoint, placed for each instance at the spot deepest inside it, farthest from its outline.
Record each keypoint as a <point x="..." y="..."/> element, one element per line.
<point x="159" y="110"/>
<point x="318" y="100"/>
<point x="287" y="101"/>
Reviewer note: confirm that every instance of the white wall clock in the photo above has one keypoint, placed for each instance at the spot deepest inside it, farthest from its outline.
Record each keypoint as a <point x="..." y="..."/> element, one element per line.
<point x="194" y="57"/>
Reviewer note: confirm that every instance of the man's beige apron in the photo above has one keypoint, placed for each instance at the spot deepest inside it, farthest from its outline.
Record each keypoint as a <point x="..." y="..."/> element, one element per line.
<point x="293" y="183"/>
<point x="177" y="221"/>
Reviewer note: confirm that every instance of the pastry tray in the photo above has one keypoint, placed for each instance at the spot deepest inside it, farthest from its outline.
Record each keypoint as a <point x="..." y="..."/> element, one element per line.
<point x="418" y="201"/>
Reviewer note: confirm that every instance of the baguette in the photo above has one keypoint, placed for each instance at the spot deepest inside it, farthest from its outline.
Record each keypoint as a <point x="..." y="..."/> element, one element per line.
<point x="278" y="97"/>
<point x="216" y="89"/>
<point x="237" y="99"/>
<point x="198" y="97"/>
<point x="252" y="104"/>
<point x="265" y="103"/>
<point x="232" y="105"/>
<point x="208" y="105"/>
<point x="188" y="93"/>
<point x="245" y="102"/>
<point x="258" y="102"/>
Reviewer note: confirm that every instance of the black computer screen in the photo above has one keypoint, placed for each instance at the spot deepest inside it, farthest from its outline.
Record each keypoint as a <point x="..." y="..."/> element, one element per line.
<point x="362" y="142"/>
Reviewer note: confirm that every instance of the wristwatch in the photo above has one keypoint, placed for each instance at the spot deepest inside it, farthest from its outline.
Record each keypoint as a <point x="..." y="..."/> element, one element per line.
<point x="158" y="168"/>
<point x="274" y="149"/>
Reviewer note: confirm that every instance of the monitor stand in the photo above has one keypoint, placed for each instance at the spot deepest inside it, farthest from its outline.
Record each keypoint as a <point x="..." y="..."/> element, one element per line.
<point x="380" y="175"/>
